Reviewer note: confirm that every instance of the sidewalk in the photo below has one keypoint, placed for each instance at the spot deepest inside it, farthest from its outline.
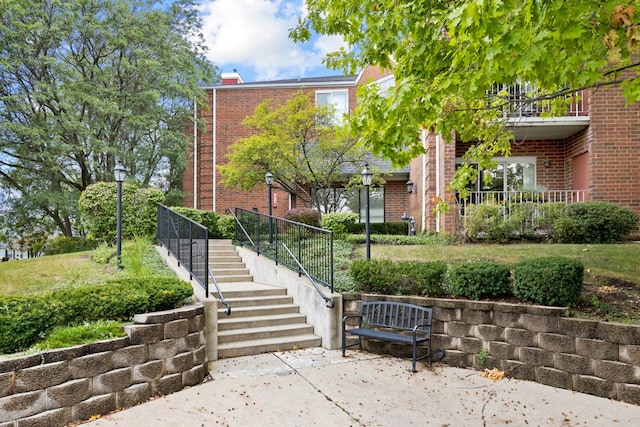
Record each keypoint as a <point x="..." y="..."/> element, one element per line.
<point x="320" y="387"/>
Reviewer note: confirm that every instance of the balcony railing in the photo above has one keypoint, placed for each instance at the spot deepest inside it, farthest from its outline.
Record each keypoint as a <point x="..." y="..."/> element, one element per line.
<point x="520" y="101"/>
<point x="508" y="200"/>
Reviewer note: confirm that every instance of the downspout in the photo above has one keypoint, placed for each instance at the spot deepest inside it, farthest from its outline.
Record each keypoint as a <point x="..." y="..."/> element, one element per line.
<point x="215" y="142"/>
<point x="195" y="153"/>
<point x="438" y="194"/>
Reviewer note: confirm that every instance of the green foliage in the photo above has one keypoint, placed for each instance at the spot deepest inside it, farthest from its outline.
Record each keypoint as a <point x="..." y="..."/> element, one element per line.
<point x="389" y="228"/>
<point x="301" y="144"/>
<point x="403" y="278"/>
<point x="342" y="280"/>
<point x="435" y="239"/>
<point x="488" y="222"/>
<point x="478" y="279"/>
<point x="338" y="222"/>
<point x="103" y="254"/>
<point x="446" y="56"/>
<point x="98" y="207"/>
<point x="97" y="79"/>
<point x="99" y="302"/>
<point x="23" y="321"/>
<point x="226" y="226"/>
<point x="595" y="222"/>
<point x="67" y="336"/>
<point x="64" y="245"/>
<point x="549" y="281"/>
<point x="304" y="215"/>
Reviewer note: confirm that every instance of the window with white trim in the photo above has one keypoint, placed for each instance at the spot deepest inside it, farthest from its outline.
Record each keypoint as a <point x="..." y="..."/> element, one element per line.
<point x="339" y="99"/>
<point x="510" y="174"/>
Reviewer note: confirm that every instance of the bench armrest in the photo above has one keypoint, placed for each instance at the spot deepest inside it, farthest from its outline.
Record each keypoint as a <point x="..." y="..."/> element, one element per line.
<point x="352" y="316"/>
<point x="422" y="327"/>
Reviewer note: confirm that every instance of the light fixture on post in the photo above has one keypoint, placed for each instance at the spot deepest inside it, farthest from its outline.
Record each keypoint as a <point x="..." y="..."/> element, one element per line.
<point x="411" y="187"/>
<point x="268" y="177"/>
<point x="119" y="174"/>
<point x="366" y="181"/>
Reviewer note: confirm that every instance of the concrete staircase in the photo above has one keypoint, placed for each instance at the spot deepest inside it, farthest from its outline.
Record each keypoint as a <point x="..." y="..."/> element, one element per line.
<point x="263" y="318"/>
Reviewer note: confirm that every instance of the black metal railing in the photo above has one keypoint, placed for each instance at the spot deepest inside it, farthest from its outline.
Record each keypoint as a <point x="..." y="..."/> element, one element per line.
<point x="300" y="247"/>
<point x="188" y="242"/>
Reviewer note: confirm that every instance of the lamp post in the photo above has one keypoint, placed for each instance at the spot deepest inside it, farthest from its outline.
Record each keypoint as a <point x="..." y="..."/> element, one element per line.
<point x="366" y="181"/>
<point x="119" y="174"/>
<point x="268" y="177"/>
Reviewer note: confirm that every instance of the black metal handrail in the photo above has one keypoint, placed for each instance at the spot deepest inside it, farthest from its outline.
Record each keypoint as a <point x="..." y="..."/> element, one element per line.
<point x="330" y="302"/>
<point x="175" y="232"/>
<point x="312" y="252"/>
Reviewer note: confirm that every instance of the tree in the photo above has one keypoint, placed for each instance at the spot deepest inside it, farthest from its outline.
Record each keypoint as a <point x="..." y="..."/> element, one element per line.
<point x="302" y="145"/>
<point x="85" y="81"/>
<point x="446" y="55"/>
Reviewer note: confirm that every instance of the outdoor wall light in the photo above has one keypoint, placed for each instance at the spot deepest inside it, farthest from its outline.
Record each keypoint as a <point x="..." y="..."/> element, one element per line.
<point x="412" y="188"/>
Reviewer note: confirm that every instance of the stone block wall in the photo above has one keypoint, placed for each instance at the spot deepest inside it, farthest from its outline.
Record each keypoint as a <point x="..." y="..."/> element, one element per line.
<point x="162" y="353"/>
<point x="528" y="342"/>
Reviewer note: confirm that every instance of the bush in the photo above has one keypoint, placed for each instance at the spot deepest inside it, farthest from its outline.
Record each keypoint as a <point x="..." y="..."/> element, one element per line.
<point x="98" y="209"/>
<point x="420" y="239"/>
<point x="421" y="278"/>
<point x="226" y="227"/>
<point x="304" y="215"/>
<point x="23" y="321"/>
<point x="65" y="244"/>
<point x="403" y="278"/>
<point x="486" y="221"/>
<point x="99" y="302"/>
<point x="478" y="279"/>
<point x="595" y="222"/>
<point x="86" y="333"/>
<point x="388" y="228"/>
<point x="164" y="293"/>
<point x="549" y="281"/>
<point x="375" y="276"/>
<point x="339" y="222"/>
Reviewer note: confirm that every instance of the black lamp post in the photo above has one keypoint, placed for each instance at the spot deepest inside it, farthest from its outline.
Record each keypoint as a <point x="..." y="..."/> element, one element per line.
<point x="119" y="174"/>
<point x="268" y="177"/>
<point x="366" y="181"/>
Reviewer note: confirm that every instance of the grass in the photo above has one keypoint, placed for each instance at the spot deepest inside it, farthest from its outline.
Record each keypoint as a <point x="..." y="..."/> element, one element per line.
<point x="37" y="275"/>
<point x="44" y="274"/>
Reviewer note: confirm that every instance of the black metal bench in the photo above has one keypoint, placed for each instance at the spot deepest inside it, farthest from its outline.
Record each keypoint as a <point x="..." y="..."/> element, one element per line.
<point x="394" y="322"/>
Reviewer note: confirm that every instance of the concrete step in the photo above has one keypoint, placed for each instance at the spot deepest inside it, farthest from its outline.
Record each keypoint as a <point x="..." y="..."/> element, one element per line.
<point x="273" y="331"/>
<point x="247" y="289"/>
<point x="267" y="310"/>
<point x="228" y="278"/>
<point x="232" y="259"/>
<point x="215" y="253"/>
<point x="232" y="323"/>
<point x="257" y="301"/>
<point x="267" y="345"/>
<point x="229" y="264"/>
<point x="230" y="271"/>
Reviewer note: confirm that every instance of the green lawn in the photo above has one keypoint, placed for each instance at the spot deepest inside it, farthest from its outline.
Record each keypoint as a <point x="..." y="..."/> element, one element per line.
<point x="34" y="275"/>
<point x="618" y="261"/>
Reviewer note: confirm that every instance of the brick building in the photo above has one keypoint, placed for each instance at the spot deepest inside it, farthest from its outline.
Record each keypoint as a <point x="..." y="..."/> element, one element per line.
<point x="591" y="153"/>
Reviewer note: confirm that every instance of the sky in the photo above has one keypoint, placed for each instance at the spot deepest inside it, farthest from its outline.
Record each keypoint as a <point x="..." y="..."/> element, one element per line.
<point x="252" y="36"/>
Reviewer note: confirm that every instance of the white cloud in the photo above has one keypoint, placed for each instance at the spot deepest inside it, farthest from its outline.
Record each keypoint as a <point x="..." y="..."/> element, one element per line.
<point x="252" y="35"/>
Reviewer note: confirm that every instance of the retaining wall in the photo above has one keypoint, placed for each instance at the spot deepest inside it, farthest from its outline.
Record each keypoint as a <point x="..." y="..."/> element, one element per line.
<point x="528" y="342"/>
<point x="162" y="353"/>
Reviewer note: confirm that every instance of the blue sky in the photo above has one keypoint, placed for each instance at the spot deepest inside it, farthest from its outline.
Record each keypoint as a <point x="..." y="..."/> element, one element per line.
<point x="252" y="37"/>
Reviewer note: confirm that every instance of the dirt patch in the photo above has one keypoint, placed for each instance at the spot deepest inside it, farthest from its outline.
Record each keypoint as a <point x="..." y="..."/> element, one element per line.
<point x="610" y="299"/>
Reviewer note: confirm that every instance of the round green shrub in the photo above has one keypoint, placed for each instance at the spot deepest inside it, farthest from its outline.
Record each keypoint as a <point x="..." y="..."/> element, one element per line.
<point x="375" y="276"/>
<point x="338" y="222"/>
<point x="421" y="278"/>
<point x="595" y="222"/>
<point x="304" y="215"/>
<point x="478" y="279"/>
<point x="551" y="281"/>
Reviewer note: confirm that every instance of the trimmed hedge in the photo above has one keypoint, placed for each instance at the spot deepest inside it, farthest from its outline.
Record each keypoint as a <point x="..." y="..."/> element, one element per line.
<point x="478" y="279"/>
<point x="25" y="320"/>
<point x="338" y="222"/>
<point x="388" y="228"/>
<point x="549" y="281"/>
<point x="595" y="222"/>
<point x="219" y="226"/>
<point x="304" y="215"/>
<point x="401" y="278"/>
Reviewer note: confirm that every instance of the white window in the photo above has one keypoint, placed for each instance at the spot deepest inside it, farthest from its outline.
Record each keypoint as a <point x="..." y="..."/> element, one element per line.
<point x="339" y="99"/>
<point x="510" y="174"/>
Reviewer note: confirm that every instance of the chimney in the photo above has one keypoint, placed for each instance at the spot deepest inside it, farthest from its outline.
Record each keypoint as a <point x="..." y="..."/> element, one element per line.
<point x="233" y="78"/>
